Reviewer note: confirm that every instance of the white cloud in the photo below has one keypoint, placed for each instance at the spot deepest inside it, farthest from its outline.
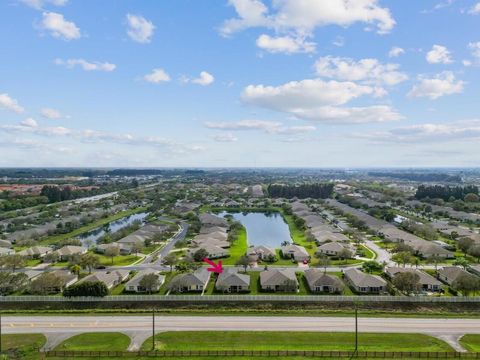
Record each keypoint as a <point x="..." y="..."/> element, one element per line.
<point x="204" y="79"/>
<point x="270" y="127"/>
<point x="50" y="113"/>
<point x="59" y="27"/>
<point x="439" y="55"/>
<point x="367" y="70"/>
<point x="352" y="115"/>
<point x="285" y="44"/>
<point x="157" y="76"/>
<point x="10" y="104"/>
<point x="39" y="4"/>
<point x="475" y="9"/>
<point x="339" y="41"/>
<point x="86" y="65"/>
<point x="429" y="132"/>
<point x="475" y="49"/>
<point x="396" y="52"/>
<point x="139" y="29"/>
<point x="440" y="85"/>
<point x="29" y="123"/>
<point x="303" y="16"/>
<point x="226" y="137"/>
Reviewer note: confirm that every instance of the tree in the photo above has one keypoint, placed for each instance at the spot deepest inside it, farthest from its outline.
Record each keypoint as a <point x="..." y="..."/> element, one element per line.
<point x="200" y="254"/>
<point x="112" y="251"/>
<point x="464" y="244"/>
<point x="150" y="282"/>
<point x="324" y="261"/>
<point x="403" y="258"/>
<point x="87" y="288"/>
<point x="435" y="259"/>
<point x="170" y="260"/>
<point x="290" y="285"/>
<point x="51" y="257"/>
<point x="137" y="247"/>
<point x="407" y="282"/>
<point x="12" y="282"/>
<point x="345" y="254"/>
<point x="89" y="261"/>
<point x="372" y="266"/>
<point x="475" y="251"/>
<point x="461" y="261"/>
<point x="471" y="198"/>
<point x="243" y="261"/>
<point x="76" y="269"/>
<point x="46" y="283"/>
<point x="13" y="262"/>
<point x="285" y="243"/>
<point x="466" y="284"/>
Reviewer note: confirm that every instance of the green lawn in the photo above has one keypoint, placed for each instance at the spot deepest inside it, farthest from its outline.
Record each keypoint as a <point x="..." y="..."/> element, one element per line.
<point x="265" y="340"/>
<point x="298" y="235"/>
<point x="117" y="260"/>
<point x="370" y="254"/>
<point x="56" y="238"/>
<point x="238" y="248"/>
<point x="471" y="342"/>
<point x="96" y="341"/>
<point x="25" y="345"/>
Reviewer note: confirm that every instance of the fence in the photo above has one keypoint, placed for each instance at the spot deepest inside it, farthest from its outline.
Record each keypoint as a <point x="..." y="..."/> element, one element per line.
<point x="243" y="298"/>
<point x="262" y="353"/>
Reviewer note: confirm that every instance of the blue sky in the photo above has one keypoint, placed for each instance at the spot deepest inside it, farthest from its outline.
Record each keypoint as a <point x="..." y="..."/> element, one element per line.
<point x="240" y="83"/>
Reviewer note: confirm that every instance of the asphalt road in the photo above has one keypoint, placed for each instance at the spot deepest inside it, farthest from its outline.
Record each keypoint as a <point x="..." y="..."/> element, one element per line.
<point x="78" y="324"/>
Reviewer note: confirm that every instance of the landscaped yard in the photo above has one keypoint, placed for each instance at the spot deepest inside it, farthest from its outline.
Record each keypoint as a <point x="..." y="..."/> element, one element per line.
<point x="96" y="341"/>
<point x="26" y="345"/>
<point x="238" y="248"/>
<point x="471" y="342"/>
<point x="118" y="260"/>
<point x="264" y="340"/>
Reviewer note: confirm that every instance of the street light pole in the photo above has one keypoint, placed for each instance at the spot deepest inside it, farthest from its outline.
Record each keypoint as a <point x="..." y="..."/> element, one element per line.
<point x="153" y="329"/>
<point x="356" y="330"/>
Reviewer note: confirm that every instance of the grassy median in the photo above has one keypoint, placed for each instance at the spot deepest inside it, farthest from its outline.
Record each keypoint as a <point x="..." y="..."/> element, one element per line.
<point x="471" y="342"/>
<point x="272" y="340"/>
<point x="99" y="341"/>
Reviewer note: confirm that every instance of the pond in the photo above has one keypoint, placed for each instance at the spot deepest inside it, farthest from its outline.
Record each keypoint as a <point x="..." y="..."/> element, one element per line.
<point x="268" y="229"/>
<point x="91" y="237"/>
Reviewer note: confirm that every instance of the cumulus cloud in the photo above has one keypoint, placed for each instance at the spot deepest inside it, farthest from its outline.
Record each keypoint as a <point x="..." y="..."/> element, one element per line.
<point x="440" y="85"/>
<point x="439" y="55"/>
<point x="50" y="113"/>
<point x="140" y="29"/>
<point x="428" y="132"/>
<point x="270" y="127"/>
<point x="157" y="76"/>
<point x="366" y="70"/>
<point x="86" y="65"/>
<point x="475" y="10"/>
<point x="30" y="122"/>
<point x="39" y="4"/>
<point x="9" y="103"/>
<point x="396" y="52"/>
<point x="58" y="27"/>
<point x="204" y="79"/>
<point x="475" y="49"/>
<point x="285" y="44"/>
<point x="225" y="137"/>
<point x="304" y="16"/>
<point x="352" y="115"/>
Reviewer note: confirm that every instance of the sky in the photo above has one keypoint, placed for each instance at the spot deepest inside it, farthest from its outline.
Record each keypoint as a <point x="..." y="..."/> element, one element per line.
<point x="239" y="83"/>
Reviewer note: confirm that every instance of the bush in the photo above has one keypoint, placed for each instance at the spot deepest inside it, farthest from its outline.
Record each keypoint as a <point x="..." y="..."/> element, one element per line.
<point x="87" y="288"/>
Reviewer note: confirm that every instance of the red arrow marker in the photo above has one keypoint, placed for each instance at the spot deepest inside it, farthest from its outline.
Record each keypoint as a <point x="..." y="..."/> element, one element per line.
<point x="217" y="268"/>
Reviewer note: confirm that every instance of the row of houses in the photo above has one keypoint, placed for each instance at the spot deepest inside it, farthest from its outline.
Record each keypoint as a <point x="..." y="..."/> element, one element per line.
<point x="213" y="237"/>
<point x="420" y="246"/>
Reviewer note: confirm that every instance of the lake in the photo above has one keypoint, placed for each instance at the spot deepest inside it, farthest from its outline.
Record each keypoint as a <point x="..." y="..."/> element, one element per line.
<point x="263" y="229"/>
<point x="93" y="235"/>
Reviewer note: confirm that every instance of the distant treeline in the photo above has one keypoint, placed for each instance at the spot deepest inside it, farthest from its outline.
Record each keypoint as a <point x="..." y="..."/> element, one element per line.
<point x="445" y="192"/>
<point x="418" y="176"/>
<point x="315" y="191"/>
<point x="139" y="172"/>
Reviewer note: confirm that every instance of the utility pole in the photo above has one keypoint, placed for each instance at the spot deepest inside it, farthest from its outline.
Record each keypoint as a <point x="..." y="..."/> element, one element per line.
<point x="0" y="333"/>
<point x="356" y="330"/>
<point x="153" y="329"/>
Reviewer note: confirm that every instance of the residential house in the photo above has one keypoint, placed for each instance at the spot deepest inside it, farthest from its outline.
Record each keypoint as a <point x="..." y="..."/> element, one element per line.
<point x="279" y="280"/>
<point x="110" y="279"/>
<point x="427" y="282"/>
<point x="68" y="251"/>
<point x="196" y="281"/>
<point x="475" y="269"/>
<point x="124" y="249"/>
<point x="66" y="277"/>
<point x="134" y="284"/>
<point x="260" y="253"/>
<point x="296" y="252"/>
<point x="212" y="220"/>
<point x="333" y="249"/>
<point x="449" y="274"/>
<point x="231" y="281"/>
<point x="318" y="281"/>
<point x="6" y="251"/>
<point x="213" y="251"/>
<point x="365" y="283"/>
<point x="36" y="252"/>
